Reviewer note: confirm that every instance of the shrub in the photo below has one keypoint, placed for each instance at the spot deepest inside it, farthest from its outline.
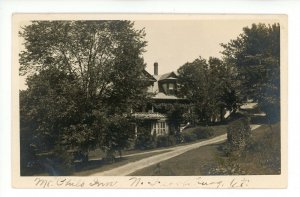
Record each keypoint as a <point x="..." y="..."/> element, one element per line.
<point x="145" y="140"/>
<point x="204" y="132"/>
<point x="189" y="136"/>
<point x="60" y="162"/>
<point x="172" y="140"/>
<point x="238" y="134"/>
<point x="192" y="134"/>
<point x="164" y="141"/>
<point x="178" y="137"/>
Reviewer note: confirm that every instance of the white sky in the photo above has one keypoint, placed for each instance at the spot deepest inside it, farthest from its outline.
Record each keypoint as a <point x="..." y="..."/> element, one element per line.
<point x="173" y="43"/>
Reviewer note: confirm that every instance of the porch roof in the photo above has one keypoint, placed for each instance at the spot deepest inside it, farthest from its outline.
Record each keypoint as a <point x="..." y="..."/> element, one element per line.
<point x="149" y="115"/>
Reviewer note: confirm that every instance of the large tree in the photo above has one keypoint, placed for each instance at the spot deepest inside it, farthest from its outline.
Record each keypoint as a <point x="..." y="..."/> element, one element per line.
<point x="104" y="56"/>
<point x="256" y="55"/>
<point x="222" y="87"/>
<point x="192" y="78"/>
<point x="209" y="85"/>
<point x="80" y="74"/>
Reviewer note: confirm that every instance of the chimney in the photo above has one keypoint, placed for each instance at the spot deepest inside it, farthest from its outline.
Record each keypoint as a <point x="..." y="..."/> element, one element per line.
<point x="155" y="68"/>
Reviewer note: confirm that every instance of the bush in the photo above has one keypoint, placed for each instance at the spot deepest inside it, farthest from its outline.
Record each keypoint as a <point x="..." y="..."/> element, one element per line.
<point x="178" y="137"/>
<point x="164" y="141"/>
<point x="189" y="136"/>
<point x="238" y="134"/>
<point x="145" y="140"/>
<point x="204" y="132"/>
<point x="196" y="133"/>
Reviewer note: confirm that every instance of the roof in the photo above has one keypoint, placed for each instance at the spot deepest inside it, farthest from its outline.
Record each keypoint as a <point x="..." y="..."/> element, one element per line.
<point x="170" y="75"/>
<point x="155" y="89"/>
<point x="149" y="115"/>
<point x="161" y="95"/>
<point x="148" y="76"/>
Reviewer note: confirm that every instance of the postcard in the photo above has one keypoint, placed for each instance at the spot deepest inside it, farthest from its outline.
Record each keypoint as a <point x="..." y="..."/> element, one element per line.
<point x="149" y="101"/>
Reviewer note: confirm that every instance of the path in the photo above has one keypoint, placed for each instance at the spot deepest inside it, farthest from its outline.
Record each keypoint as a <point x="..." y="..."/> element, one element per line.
<point x="143" y="163"/>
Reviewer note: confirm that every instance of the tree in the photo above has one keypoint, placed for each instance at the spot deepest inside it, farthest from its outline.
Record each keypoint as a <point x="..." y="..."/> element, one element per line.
<point x="118" y="133"/>
<point x="80" y="75"/>
<point x="192" y="78"/>
<point x="174" y="112"/>
<point x="223" y="85"/>
<point x="47" y="108"/>
<point x="256" y="56"/>
<point x="210" y="88"/>
<point x="104" y="56"/>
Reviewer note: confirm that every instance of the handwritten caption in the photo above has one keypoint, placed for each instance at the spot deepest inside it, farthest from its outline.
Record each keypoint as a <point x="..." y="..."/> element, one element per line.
<point x="139" y="182"/>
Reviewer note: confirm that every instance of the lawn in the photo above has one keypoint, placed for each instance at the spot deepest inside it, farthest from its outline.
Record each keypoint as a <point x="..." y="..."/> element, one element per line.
<point x="262" y="156"/>
<point x="96" y="166"/>
<point x="218" y="129"/>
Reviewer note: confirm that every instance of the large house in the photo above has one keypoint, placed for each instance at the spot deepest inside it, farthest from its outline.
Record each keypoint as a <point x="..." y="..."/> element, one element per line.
<point x="164" y="90"/>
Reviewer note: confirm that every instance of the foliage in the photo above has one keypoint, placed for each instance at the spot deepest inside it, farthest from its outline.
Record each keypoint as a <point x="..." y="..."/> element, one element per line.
<point x="144" y="139"/>
<point x="103" y="56"/>
<point x="117" y="134"/>
<point x="46" y="107"/>
<point x="238" y="134"/>
<point x="61" y="162"/>
<point x="189" y="136"/>
<point x="260" y="156"/>
<point x="256" y="56"/>
<point x="195" y="133"/>
<point x="210" y="87"/>
<point x="174" y="112"/>
<point x="166" y="140"/>
<point x="80" y="76"/>
<point x="204" y="132"/>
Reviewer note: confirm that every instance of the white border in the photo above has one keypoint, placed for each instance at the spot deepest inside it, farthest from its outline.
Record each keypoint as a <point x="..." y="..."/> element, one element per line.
<point x="227" y="6"/>
<point x="261" y="181"/>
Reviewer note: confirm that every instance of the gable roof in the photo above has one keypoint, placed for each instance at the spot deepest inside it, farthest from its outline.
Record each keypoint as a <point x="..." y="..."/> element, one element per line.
<point x="148" y="76"/>
<point x="170" y="75"/>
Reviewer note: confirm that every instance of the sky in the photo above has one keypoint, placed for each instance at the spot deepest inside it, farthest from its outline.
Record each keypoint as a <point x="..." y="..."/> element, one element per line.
<point x="173" y="43"/>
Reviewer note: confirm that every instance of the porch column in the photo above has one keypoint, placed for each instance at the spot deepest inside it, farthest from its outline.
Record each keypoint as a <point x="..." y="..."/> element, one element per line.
<point x="135" y="130"/>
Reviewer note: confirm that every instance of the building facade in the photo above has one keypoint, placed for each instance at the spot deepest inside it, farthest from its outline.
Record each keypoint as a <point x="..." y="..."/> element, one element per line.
<point x="154" y="118"/>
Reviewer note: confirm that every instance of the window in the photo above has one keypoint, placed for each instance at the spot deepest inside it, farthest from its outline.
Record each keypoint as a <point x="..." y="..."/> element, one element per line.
<point x="171" y="86"/>
<point x="165" y="87"/>
<point x="163" y="127"/>
<point x="153" y="129"/>
<point x="159" y="128"/>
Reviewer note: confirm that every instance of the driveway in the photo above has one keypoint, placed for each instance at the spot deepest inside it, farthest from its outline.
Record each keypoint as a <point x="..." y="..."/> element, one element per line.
<point x="175" y="151"/>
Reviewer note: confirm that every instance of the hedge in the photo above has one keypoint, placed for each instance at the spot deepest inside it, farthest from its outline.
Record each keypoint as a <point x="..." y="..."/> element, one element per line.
<point x="238" y="134"/>
<point x="196" y="133"/>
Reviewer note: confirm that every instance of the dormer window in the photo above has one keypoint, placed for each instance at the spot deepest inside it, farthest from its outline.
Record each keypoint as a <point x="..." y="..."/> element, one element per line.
<point x="171" y="86"/>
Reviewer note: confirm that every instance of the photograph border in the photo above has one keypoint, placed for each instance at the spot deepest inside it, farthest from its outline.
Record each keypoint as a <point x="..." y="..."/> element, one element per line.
<point x="245" y="181"/>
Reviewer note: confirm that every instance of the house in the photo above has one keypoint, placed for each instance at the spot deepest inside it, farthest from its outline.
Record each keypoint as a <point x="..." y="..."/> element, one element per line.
<point x="153" y="118"/>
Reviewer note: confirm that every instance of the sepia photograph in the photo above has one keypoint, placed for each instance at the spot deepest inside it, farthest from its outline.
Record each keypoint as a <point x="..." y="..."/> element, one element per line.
<point x="154" y="97"/>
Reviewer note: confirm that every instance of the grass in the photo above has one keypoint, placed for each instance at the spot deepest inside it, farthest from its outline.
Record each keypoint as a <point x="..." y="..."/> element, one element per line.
<point x="178" y="166"/>
<point x="96" y="166"/>
<point x="261" y="157"/>
<point x="218" y="130"/>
